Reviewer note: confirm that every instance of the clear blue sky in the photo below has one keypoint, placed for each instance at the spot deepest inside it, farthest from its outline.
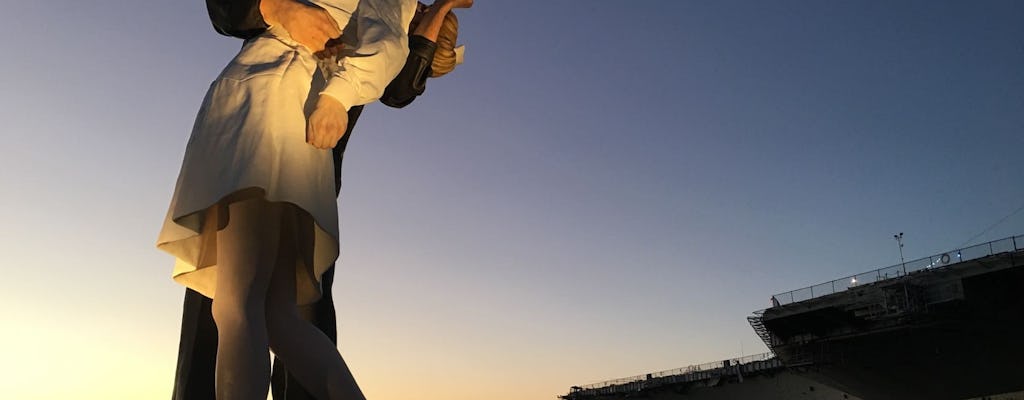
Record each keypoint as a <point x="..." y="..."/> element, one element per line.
<point x="604" y="189"/>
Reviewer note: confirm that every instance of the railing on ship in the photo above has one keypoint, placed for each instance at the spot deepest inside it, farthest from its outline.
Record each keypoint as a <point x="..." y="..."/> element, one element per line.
<point x="696" y="372"/>
<point x="1012" y="243"/>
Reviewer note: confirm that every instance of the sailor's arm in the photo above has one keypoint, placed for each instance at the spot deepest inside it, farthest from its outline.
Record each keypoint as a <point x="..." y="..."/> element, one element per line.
<point x="411" y="82"/>
<point x="306" y="23"/>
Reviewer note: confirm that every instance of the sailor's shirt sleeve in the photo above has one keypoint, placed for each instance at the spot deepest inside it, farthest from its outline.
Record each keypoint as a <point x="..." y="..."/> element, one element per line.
<point x="383" y="45"/>
<point x="412" y="81"/>
<point x="238" y="18"/>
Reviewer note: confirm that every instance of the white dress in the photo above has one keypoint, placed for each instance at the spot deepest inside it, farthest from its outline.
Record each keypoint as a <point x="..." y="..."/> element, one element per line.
<point x="249" y="140"/>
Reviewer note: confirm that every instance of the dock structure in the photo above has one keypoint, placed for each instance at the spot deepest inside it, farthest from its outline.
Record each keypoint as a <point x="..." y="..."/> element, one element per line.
<point x="760" y="376"/>
<point x="947" y="326"/>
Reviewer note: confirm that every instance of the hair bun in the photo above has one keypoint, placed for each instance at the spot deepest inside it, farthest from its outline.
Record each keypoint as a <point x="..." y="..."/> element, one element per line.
<point x="446" y="57"/>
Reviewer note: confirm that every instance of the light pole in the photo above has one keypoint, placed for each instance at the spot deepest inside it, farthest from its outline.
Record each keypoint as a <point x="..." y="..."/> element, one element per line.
<point x="899" y="241"/>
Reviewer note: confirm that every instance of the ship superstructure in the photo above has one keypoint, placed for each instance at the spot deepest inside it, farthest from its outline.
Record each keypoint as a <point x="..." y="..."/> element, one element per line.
<point x="945" y="327"/>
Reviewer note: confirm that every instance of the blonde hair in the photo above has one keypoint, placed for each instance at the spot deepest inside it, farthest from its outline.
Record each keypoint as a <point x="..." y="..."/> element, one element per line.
<point x="444" y="57"/>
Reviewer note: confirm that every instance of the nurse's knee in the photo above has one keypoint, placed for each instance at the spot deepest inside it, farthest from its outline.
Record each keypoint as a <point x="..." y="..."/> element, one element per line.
<point x="232" y="313"/>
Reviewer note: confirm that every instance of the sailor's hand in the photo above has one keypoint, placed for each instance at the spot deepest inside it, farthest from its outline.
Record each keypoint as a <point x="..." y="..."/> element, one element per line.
<point x="327" y="124"/>
<point x="331" y="50"/>
<point x="307" y="24"/>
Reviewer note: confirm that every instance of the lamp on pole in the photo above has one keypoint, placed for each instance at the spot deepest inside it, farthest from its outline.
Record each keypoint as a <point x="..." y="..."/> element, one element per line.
<point x="899" y="241"/>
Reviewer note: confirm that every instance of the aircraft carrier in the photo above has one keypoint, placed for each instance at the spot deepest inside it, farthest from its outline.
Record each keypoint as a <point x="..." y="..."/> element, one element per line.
<point x="945" y="327"/>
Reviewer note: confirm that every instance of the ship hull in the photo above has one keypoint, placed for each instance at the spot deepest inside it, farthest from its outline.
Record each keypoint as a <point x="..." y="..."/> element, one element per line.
<point x="783" y="385"/>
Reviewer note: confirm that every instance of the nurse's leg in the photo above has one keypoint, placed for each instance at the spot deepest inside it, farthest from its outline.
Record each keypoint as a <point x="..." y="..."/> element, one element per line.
<point x="283" y="384"/>
<point x="247" y="248"/>
<point x="310" y="356"/>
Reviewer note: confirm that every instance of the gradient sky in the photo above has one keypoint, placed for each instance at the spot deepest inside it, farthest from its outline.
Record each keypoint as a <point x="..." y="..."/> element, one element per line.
<point x="604" y="189"/>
